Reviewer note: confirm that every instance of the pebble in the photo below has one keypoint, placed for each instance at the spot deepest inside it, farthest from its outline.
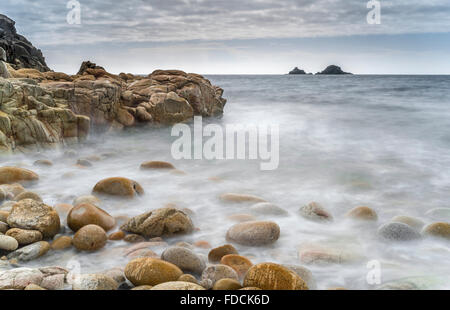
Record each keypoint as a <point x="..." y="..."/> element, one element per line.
<point x="214" y="273"/>
<point x="20" y="278"/>
<point x="30" y="252"/>
<point x="398" y="232"/>
<point x="315" y="212"/>
<point x="28" y="195"/>
<point x="178" y="286"/>
<point x="184" y="258"/>
<point x="363" y="214"/>
<point x="240" y="198"/>
<point x="441" y="230"/>
<point x="90" y="199"/>
<point x="133" y="238"/>
<point x="61" y="243"/>
<point x="25" y="237"/>
<point x="3" y="227"/>
<point x="150" y="271"/>
<point x="240" y="264"/>
<point x="116" y="274"/>
<point x="8" y="243"/>
<point x="90" y="238"/>
<point x="119" y="187"/>
<point x="157" y="165"/>
<point x="269" y="276"/>
<point x="188" y="278"/>
<point x="10" y="175"/>
<point x="305" y="274"/>
<point x="85" y="214"/>
<point x="94" y="282"/>
<point x="117" y="236"/>
<point x="43" y="163"/>
<point x="216" y="254"/>
<point x="227" y="285"/>
<point x="254" y="233"/>
<point x="408" y="220"/>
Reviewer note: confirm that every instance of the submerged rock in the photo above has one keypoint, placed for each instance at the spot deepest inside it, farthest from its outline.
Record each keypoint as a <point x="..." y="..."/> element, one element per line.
<point x="160" y="222"/>
<point x="408" y="220"/>
<point x="363" y="213"/>
<point x="157" y="165"/>
<point x="315" y="212"/>
<point x="119" y="187"/>
<point x="296" y="70"/>
<point x="441" y="230"/>
<point x="269" y="276"/>
<point x="10" y="175"/>
<point x="439" y="214"/>
<point x="265" y="208"/>
<point x="398" y="232"/>
<point x="254" y="233"/>
<point x="240" y="198"/>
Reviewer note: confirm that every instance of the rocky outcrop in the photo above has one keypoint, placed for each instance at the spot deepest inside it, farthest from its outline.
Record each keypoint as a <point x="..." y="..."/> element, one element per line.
<point x="41" y="108"/>
<point x="297" y="71"/>
<point x="332" y="70"/>
<point x="19" y="52"/>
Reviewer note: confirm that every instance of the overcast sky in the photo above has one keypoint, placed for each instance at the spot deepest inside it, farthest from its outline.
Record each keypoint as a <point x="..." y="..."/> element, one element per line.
<point x="239" y="36"/>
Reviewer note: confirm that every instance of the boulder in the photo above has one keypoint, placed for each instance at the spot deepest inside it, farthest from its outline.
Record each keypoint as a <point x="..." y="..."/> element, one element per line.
<point x="90" y="238"/>
<point x="119" y="187"/>
<point x="269" y="276"/>
<point x="29" y="214"/>
<point x="254" y="233"/>
<point x="160" y="222"/>
<point x="150" y="271"/>
<point x="9" y="175"/>
<point x="86" y="214"/>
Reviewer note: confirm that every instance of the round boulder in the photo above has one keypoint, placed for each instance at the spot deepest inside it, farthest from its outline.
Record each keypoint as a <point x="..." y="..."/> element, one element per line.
<point x="119" y="187"/>
<point x="86" y="214"/>
<point x="90" y="238"/>
<point x="254" y="233"/>
<point x="268" y="276"/>
<point x="151" y="271"/>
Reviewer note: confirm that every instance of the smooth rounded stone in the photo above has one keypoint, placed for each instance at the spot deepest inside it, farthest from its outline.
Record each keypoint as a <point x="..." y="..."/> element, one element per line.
<point x="4" y="216"/>
<point x="90" y="238"/>
<point x="90" y="199"/>
<point x="116" y="274"/>
<point x="240" y="264"/>
<point x="398" y="232"/>
<point x="202" y="244"/>
<point x="33" y="215"/>
<point x="28" y="195"/>
<point x="117" y="236"/>
<point x="178" y="286"/>
<point x="13" y="189"/>
<point x="254" y="233"/>
<point x="10" y="175"/>
<point x="34" y="287"/>
<point x="323" y="255"/>
<point x="227" y="285"/>
<point x="3" y="227"/>
<point x="315" y="212"/>
<point x="84" y="163"/>
<point x="8" y="243"/>
<point x="266" y="208"/>
<point x="146" y="245"/>
<point x="441" y="230"/>
<point x="43" y="163"/>
<point x="54" y="282"/>
<point x="439" y="214"/>
<point x="151" y="271"/>
<point x="305" y="274"/>
<point x="408" y="220"/>
<point x="214" y="273"/>
<point x="25" y="237"/>
<point x="160" y="222"/>
<point x="184" y="244"/>
<point x="240" y="218"/>
<point x="184" y="258"/>
<point x="30" y="252"/>
<point x="269" y="276"/>
<point x="188" y="278"/>
<point x="20" y="278"/>
<point x="216" y="254"/>
<point x="61" y="243"/>
<point x="86" y="214"/>
<point x="142" y="288"/>
<point x="140" y="253"/>
<point x="94" y="282"/>
<point x="240" y="198"/>
<point x="157" y="165"/>
<point x="363" y="214"/>
<point x="133" y="238"/>
<point x="119" y="187"/>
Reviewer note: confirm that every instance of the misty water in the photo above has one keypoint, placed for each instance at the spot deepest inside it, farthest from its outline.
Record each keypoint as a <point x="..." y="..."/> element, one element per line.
<point x="345" y="141"/>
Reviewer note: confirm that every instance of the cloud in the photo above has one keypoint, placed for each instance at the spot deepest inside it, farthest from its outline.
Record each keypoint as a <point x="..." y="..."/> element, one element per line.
<point x="185" y="20"/>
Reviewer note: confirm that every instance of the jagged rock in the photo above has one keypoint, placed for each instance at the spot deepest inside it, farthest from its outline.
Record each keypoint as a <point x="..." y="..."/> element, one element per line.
<point x="297" y="71"/>
<point x="19" y="51"/>
<point x="332" y="70"/>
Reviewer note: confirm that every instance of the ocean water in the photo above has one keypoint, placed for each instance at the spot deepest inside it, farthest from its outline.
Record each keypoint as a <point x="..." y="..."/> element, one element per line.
<point x="345" y="141"/>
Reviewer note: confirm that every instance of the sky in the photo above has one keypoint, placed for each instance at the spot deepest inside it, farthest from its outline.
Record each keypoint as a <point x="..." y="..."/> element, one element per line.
<point x="239" y="36"/>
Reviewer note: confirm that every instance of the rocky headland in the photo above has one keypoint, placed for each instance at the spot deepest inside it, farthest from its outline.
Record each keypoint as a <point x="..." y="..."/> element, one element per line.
<point x="41" y="108"/>
<point x="333" y="70"/>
